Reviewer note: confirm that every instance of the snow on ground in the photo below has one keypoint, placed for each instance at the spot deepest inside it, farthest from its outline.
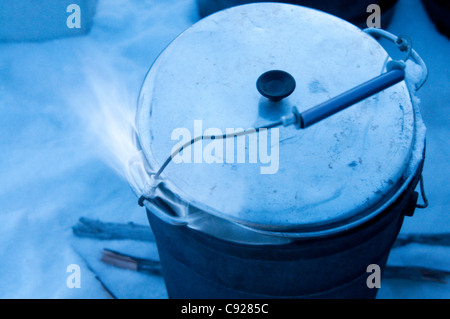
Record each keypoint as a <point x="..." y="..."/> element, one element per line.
<point x="49" y="165"/>
<point x="53" y="169"/>
<point x="411" y="19"/>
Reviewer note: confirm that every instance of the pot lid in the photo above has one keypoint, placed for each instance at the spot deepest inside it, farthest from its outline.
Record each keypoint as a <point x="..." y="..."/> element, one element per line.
<point x="205" y="83"/>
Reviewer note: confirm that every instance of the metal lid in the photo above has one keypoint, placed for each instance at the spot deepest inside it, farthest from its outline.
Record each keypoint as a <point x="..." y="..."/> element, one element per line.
<point x="335" y="171"/>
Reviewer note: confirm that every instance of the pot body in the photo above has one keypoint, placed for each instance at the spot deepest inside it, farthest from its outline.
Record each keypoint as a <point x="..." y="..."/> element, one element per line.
<point x="199" y="266"/>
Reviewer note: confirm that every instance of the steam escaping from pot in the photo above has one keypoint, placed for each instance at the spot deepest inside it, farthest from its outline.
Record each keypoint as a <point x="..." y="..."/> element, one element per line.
<point x="106" y="107"/>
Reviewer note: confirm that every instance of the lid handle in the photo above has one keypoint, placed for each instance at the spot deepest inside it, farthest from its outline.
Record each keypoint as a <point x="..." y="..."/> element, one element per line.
<point x="275" y="85"/>
<point x="346" y="99"/>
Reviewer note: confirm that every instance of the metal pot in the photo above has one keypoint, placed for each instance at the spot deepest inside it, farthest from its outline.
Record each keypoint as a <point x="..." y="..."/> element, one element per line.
<point x="309" y="225"/>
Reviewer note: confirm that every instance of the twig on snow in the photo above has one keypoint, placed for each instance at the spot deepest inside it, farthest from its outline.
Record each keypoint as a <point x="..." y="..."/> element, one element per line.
<point x="124" y="261"/>
<point x="101" y="230"/>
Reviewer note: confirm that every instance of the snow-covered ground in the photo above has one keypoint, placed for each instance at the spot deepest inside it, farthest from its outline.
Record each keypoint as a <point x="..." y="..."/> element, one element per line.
<point x="60" y="158"/>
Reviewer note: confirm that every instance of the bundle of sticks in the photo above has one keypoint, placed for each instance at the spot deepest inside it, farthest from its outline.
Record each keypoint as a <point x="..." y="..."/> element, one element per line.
<point x="112" y="231"/>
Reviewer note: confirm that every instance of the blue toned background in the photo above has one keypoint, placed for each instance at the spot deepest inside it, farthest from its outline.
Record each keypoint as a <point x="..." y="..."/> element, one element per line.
<point x="64" y="107"/>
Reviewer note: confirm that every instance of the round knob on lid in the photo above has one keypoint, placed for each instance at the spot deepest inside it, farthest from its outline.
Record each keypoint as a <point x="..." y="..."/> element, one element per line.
<point x="275" y="85"/>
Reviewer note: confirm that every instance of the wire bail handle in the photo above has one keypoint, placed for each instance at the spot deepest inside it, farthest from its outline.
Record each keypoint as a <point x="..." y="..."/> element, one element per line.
<point x="404" y="44"/>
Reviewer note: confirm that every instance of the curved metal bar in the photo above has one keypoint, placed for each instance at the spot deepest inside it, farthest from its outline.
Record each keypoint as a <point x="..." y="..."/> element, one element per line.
<point x="412" y="53"/>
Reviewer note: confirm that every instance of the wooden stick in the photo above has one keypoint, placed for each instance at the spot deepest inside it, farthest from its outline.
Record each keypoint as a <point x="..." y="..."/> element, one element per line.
<point x="440" y="239"/>
<point x="416" y="273"/>
<point x="100" y="230"/>
<point x="124" y="261"/>
<point x="390" y="272"/>
<point x="97" y="277"/>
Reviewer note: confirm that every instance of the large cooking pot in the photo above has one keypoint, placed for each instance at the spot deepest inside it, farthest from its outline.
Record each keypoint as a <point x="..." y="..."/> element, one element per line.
<point x="355" y="11"/>
<point x="299" y="211"/>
